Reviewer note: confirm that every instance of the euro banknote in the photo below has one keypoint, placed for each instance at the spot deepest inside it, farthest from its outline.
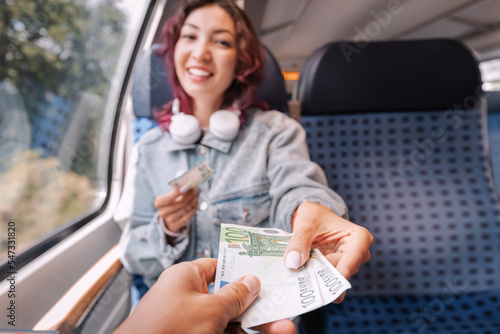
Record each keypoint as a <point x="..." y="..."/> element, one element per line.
<point x="193" y="177"/>
<point x="285" y="293"/>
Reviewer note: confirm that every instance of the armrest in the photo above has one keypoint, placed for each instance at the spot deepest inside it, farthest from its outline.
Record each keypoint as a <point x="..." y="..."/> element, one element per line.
<point x="65" y="315"/>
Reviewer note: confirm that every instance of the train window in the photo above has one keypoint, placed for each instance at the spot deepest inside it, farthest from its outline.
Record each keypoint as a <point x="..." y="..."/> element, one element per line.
<point x="62" y="65"/>
<point x="490" y="72"/>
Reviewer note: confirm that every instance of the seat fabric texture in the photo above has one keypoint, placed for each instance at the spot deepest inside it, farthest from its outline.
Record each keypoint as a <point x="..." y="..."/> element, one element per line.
<point x="399" y="131"/>
<point x="433" y="215"/>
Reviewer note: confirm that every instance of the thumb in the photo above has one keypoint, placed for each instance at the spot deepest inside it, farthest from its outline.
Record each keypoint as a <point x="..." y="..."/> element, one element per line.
<point x="297" y="251"/>
<point x="305" y="229"/>
<point x="238" y="295"/>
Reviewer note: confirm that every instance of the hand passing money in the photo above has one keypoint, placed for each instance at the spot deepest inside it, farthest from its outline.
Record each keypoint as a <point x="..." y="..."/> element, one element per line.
<point x="285" y="293"/>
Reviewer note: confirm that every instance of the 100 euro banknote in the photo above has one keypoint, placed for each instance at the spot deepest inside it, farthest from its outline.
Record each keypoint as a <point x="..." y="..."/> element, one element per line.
<point x="284" y="292"/>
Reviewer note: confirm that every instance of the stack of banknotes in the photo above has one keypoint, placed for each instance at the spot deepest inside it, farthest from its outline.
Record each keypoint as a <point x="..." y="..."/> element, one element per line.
<point x="285" y="293"/>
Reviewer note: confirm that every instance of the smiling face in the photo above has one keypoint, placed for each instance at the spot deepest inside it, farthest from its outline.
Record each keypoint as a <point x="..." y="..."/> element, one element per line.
<point x="205" y="55"/>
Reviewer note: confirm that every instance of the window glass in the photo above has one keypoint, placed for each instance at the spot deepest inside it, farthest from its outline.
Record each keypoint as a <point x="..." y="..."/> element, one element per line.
<point x="490" y="73"/>
<point x="61" y="68"/>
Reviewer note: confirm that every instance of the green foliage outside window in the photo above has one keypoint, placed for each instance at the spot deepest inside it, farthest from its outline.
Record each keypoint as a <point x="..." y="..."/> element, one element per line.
<point x="54" y="50"/>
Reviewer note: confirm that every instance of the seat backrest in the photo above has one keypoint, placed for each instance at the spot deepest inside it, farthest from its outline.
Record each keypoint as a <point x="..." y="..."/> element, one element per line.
<point x="151" y="87"/>
<point x="493" y="102"/>
<point x="397" y="128"/>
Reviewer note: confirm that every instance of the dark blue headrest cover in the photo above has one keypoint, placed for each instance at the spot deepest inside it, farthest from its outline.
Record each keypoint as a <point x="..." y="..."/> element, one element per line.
<point x="348" y="77"/>
<point x="151" y="87"/>
<point x="493" y="101"/>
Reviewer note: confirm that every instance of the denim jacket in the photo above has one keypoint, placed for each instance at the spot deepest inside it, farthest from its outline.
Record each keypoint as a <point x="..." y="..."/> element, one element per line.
<point x="260" y="178"/>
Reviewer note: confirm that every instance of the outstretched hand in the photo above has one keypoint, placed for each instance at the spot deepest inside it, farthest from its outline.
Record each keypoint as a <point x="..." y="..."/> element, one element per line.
<point x="344" y="244"/>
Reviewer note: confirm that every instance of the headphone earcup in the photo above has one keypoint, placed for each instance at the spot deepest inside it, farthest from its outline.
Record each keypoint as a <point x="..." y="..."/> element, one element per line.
<point x="224" y="124"/>
<point x="184" y="129"/>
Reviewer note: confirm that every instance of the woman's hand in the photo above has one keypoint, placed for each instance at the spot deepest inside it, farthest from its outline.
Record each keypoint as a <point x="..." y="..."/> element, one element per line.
<point x="343" y="243"/>
<point x="177" y="208"/>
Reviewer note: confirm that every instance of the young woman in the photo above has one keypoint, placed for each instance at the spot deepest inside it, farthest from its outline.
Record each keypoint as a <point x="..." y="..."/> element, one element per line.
<point x="263" y="175"/>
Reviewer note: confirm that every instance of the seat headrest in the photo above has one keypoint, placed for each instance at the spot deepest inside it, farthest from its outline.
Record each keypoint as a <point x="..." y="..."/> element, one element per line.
<point x="151" y="87"/>
<point x="493" y="101"/>
<point x="346" y="77"/>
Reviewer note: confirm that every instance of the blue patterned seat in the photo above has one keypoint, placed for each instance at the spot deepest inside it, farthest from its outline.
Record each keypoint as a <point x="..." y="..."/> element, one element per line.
<point x="469" y="313"/>
<point x="141" y="126"/>
<point x="402" y="142"/>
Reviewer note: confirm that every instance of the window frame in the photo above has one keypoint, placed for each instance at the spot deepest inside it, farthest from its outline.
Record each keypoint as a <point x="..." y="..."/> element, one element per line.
<point x="50" y="240"/>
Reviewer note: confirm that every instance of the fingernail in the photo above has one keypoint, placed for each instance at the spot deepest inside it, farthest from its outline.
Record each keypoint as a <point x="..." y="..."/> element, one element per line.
<point x="293" y="260"/>
<point x="184" y="189"/>
<point x="252" y="283"/>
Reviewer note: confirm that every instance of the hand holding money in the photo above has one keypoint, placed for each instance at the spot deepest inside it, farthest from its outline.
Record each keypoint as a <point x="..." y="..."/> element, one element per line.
<point x="345" y="244"/>
<point x="177" y="207"/>
<point x="284" y="292"/>
<point x="190" y="309"/>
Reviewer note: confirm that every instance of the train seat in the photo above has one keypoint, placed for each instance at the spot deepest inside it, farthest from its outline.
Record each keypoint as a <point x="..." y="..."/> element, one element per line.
<point x="493" y="101"/>
<point x="399" y="130"/>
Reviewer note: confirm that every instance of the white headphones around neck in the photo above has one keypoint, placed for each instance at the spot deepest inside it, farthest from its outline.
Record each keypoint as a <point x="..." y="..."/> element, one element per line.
<point x="185" y="129"/>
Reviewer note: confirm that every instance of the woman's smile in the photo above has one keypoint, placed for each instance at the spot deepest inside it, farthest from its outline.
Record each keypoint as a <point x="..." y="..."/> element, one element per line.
<point x="199" y="73"/>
